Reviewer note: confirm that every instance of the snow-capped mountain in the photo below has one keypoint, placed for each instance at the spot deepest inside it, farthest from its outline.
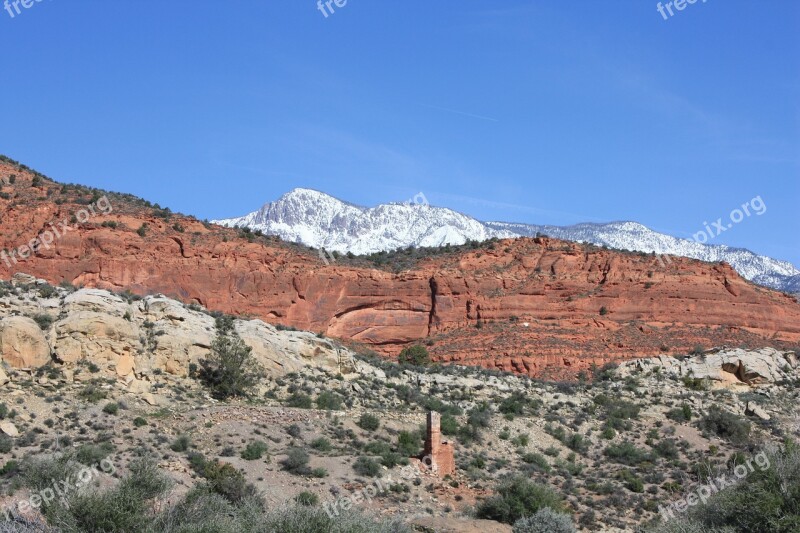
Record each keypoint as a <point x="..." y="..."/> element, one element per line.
<point x="322" y="221"/>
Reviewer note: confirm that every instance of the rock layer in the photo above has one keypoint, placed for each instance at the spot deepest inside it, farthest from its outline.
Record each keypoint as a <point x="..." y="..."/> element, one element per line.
<point x="527" y="305"/>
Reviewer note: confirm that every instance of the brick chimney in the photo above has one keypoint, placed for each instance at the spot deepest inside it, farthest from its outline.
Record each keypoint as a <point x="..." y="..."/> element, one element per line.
<point x="438" y="455"/>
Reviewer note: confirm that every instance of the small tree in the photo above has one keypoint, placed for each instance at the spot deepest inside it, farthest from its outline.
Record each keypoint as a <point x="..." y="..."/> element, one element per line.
<point x="415" y="355"/>
<point x="230" y="370"/>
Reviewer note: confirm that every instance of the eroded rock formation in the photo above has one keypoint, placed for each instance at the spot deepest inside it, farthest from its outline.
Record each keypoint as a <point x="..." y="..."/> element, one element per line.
<point x="528" y="305"/>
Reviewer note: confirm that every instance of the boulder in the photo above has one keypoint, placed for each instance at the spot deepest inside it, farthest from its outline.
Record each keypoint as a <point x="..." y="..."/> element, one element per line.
<point x="9" y="429"/>
<point x="753" y="409"/>
<point x="23" y="343"/>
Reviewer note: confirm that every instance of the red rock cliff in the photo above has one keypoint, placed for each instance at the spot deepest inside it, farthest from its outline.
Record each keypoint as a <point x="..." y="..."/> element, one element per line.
<point x="528" y="305"/>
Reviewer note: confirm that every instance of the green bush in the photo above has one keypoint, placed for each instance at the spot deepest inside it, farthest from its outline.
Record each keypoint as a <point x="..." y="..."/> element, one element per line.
<point x="322" y="444"/>
<point x="726" y="425"/>
<point x="409" y="443"/>
<point x="631" y="481"/>
<point x="230" y="370"/>
<point x="92" y="454"/>
<point x="544" y="521"/>
<point x="368" y="422"/>
<point x="518" y="497"/>
<point x="181" y="444"/>
<point x="296" y="461"/>
<point x="366" y="466"/>
<point x="228" y="482"/>
<point x="414" y="355"/>
<point x="6" y="443"/>
<point x="766" y="499"/>
<point x="255" y="450"/>
<point x="125" y="507"/>
<point x="680" y="414"/>
<point x="303" y="519"/>
<point x="139" y="422"/>
<point x="111" y="408"/>
<point x="299" y="400"/>
<point x="627" y="453"/>
<point x="307" y="498"/>
<point x="43" y="320"/>
<point x="537" y="460"/>
<point x="330" y="401"/>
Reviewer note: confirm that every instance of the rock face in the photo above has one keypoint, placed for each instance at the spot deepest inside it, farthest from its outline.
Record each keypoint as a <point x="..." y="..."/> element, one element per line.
<point x="751" y="367"/>
<point x="135" y="338"/>
<point x="533" y="306"/>
<point x="22" y="343"/>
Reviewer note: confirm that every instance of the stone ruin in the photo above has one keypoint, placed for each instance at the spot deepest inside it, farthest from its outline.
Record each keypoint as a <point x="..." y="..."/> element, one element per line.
<point x="438" y="455"/>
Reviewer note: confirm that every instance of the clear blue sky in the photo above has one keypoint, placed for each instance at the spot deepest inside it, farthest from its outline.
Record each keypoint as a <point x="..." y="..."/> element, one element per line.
<point x="544" y="112"/>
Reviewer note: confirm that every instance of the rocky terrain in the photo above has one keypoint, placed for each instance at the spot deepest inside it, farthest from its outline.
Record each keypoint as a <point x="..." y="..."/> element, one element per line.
<point x="536" y="306"/>
<point x="96" y="376"/>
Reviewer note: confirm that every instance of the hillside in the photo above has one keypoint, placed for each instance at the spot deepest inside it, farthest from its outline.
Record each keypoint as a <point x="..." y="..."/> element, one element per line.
<point x="529" y="305"/>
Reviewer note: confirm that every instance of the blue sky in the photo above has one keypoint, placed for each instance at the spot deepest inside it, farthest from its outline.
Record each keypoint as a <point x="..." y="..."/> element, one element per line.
<point x="544" y="112"/>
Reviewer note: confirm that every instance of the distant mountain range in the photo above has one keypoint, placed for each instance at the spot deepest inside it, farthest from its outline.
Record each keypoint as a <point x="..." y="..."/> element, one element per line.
<point x="319" y="220"/>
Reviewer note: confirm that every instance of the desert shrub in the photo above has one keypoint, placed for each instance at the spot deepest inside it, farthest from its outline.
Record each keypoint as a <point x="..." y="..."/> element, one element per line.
<point x="696" y="384"/>
<point x="43" y="320"/>
<point x="409" y="443"/>
<point x="228" y="482"/>
<point x="544" y="521"/>
<point x="518" y="403"/>
<point x="366" y="466"/>
<point x="307" y="498"/>
<point x="667" y="449"/>
<point x="92" y="454"/>
<point x="726" y="425"/>
<point x="296" y="461"/>
<point x="329" y="401"/>
<point x="537" y="460"/>
<point x="47" y="291"/>
<point x="125" y="507"/>
<point x="255" y="450"/>
<point x="322" y="444"/>
<point x="449" y="424"/>
<point x="299" y="400"/>
<point x="111" y="408"/>
<point x="304" y="519"/>
<point x="414" y="355"/>
<point x="631" y="481"/>
<point x="368" y="422"/>
<point x="181" y="444"/>
<point x="766" y="499"/>
<point x="627" y="453"/>
<point x="680" y="414"/>
<point x="230" y="370"/>
<point x="6" y="443"/>
<point x="139" y="422"/>
<point x="518" y="497"/>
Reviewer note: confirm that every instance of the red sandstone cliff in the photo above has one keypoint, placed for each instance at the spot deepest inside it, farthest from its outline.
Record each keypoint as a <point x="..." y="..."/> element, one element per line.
<point x="529" y="305"/>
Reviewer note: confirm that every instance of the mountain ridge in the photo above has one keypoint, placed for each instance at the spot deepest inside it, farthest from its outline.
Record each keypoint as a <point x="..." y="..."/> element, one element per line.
<point x="347" y="227"/>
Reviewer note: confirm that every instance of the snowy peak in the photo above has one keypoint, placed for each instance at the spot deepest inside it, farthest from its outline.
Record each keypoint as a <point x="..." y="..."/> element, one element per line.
<point x="316" y="219"/>
<point x="319" y="220"/>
